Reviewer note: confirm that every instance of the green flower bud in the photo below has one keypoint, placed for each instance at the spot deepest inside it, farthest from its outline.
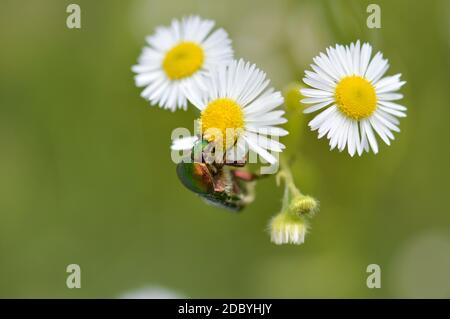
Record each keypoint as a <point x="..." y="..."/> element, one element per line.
<point x="303" y="206"/>
<point x="292" y="97"/>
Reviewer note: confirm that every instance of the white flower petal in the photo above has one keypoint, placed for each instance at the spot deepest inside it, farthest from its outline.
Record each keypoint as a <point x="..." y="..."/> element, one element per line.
<point x="314" y="100"/>
<point x="266" y="143"/>
<point x="258" y="117"/>
<point x="318" y="85"/>
<point x="389" y="96"/>
<point x="185" y="143"/>
<point x="387" y="81"/>
<point x="322" y="116"/>
<point x="352" y="138"/>
<point x="327" y="124"/>
<point x="392" y="105"/>
<point x="267" y="130"/>
<point x="370" y="136"/>
<point x="392" y="111"/>
<point x="366" y="52"/>
<point x="315" y="93"/>
<point x="317" y="107"/>
<point x="265" y="103"/>
<point x="259" y="150"/>
<point x="391" y="87"/>
<point x="380" y="131"/>
<point x="386" y="122"/>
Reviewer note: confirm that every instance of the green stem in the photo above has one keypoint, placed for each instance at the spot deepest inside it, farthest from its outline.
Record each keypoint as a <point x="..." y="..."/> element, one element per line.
<point x="286" y="174"/>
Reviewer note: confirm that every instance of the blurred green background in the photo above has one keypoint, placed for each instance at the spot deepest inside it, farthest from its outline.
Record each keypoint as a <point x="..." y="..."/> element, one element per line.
<point x="86" y="175"/>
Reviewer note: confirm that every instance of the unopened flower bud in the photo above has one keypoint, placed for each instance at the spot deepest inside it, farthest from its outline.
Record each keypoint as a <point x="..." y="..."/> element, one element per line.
<point x="303" y="206"/>
<point x="292" y="96"/>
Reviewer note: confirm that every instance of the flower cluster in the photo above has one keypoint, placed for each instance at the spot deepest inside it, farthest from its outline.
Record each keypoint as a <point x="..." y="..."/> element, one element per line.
<point x="239" y="112"/>
<point x="291" y="224"/>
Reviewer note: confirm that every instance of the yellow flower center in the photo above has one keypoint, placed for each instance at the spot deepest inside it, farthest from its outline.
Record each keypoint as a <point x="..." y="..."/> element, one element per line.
<point x="356" y="97"/>
<point x="183" y="60"/>
<point x="220" y="115"/>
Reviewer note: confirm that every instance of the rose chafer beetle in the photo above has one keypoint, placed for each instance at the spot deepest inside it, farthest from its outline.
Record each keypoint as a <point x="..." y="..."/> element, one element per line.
<point x="218" y="183"/>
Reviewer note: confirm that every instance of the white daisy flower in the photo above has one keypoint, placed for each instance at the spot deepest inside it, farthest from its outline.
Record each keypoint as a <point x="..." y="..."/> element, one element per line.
<point x="237" y="97"/>
<point x="357" y="99"/>
<point x="179" y="55"/>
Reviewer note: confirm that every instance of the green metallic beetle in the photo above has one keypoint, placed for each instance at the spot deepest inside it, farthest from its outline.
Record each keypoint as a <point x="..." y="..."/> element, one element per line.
<point x="219" y="184"/>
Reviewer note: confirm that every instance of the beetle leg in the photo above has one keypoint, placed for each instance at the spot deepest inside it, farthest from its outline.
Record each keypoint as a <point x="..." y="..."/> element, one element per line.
<point x="245" y="175"/>
<point x="236" y="164"/>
